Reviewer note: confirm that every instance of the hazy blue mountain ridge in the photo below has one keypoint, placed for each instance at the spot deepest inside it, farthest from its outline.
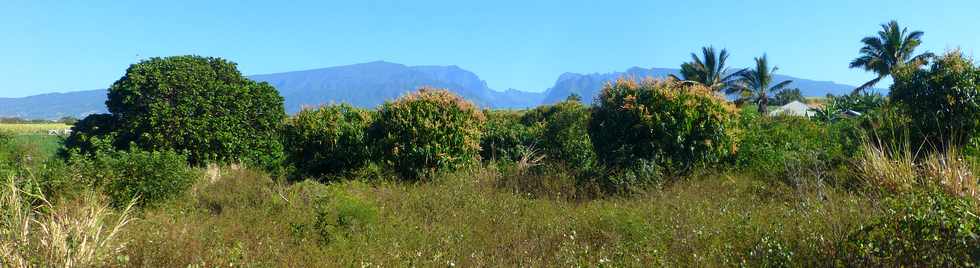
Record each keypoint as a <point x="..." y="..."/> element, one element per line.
<point x="370" y="84"/>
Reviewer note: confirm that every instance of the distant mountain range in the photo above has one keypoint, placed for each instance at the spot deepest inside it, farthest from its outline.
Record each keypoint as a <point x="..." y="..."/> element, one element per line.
<point x="370" y="84"/>
<point x="589" y="85"/>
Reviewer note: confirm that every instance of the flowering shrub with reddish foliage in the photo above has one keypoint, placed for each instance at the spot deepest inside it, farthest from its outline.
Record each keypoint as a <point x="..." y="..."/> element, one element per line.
<point x="674" y="124"/>
<point x="428" y="131"/>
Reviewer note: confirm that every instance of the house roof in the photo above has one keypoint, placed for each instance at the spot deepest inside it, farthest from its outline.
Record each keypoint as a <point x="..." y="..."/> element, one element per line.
<point x="794" y="108"/>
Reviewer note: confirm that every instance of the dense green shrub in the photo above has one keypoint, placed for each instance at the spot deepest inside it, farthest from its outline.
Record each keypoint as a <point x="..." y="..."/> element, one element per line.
<point x="564" y="135"/>
<point x="428" y="131"/>
<point x="769" y="144"/>
<point x="151" y="177"/>
<point x="328" y="140"/>
<point x="200" y="106"/>
<point x="668" y="122"/>
<point x="506" y="138"/>
<point x="94" y="133"/>
<point x="920" y="230"/>
<point x="942" y="101"/>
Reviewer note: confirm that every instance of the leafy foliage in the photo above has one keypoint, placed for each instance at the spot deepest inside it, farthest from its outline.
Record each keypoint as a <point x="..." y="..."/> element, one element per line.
<point x="663" y="121"/>
<point x="768" y="144"/>
<point x="943" y="101"/>
<point x="506" y="137"/>
<point x="564" y="134"/>
<point x="200" y="106"/>
<point x="428" y="131"/>
<point x="151" y="177"/>
<point x="94" y="133"/>
<point x="893" y="48"/>
<point x="920" y="230"/>
<point x="328" y="140"/>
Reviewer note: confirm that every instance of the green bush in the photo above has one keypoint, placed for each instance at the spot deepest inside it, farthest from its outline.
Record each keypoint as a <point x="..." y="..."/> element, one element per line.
<point x="942" y="101"/>
<point x="920" y="230"/>
<point x="151" y="177"/>
<point x="673" y="124"/>
<point x="337" y="213"/>
<point x="200" y="106"/>
<point x="428" y="131"/>
<point x="506" y="138"/>
<point x="563" y="132"/>
<point x="769" y="143"/>
<point x="94" y="133"/>
<point x="328" y="141"/>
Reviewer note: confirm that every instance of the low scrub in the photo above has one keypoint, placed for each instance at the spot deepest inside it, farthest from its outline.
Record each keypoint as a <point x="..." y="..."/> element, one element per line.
<point x="920" y="230"/>
<point x="150" y="177"/>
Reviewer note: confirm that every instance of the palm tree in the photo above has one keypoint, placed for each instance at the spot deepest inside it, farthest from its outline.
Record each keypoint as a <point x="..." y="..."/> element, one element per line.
<point x="893" y="47"/>
<point x="753" y="85"/>
<point x="709" y="71"/>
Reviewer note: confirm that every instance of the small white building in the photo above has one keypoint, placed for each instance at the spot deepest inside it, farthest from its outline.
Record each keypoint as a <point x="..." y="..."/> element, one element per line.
<point x="794" y="108"/>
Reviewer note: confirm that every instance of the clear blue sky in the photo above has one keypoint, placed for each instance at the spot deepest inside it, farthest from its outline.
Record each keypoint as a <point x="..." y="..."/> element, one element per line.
<point x="49" y="46"/>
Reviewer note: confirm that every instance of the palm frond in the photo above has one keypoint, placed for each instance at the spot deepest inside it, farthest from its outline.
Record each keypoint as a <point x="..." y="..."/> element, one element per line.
<point x="867" y="85"/>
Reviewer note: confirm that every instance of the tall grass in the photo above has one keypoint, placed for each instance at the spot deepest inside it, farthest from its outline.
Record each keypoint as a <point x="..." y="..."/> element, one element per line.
<point x="893" y="167"/>
<point x="888" y="166"/>
<point x="79" y="233"/>
<point x="952" y="173"/>
<point x="476" y="217"/>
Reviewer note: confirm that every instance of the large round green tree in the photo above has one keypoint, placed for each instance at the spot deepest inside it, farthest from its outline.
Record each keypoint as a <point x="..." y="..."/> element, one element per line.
<point x="201" y="106"/>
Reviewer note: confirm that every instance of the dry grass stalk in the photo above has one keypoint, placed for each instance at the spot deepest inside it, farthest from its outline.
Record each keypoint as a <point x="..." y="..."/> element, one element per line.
<point x="892" y="169"/>
<point x="949" y="171"/>
<point x="530" y="157"/>
<point x="78" y="234"/>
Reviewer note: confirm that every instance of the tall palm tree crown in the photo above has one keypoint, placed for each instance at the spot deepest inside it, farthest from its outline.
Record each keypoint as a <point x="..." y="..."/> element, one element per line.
<point x="709" y="71"/>
<point x="753" y="85"/>
<point x="893" y="47"/>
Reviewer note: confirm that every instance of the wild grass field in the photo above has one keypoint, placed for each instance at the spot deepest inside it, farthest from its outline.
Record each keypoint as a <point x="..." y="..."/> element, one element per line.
<point x="35" y="136"/>
<point x="479" y="217"/>
<point x="32" y="128"/>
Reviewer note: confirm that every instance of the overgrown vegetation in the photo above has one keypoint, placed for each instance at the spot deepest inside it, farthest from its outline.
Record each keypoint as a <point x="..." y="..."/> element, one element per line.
<point x="655" y="173"/>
